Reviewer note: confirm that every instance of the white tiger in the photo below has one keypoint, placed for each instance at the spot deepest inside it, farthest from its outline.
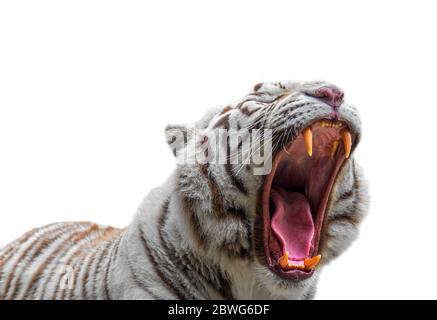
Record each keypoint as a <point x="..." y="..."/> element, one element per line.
<point x="218" y="230"/>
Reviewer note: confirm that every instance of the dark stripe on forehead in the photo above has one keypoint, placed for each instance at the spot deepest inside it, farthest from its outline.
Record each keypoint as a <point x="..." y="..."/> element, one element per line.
<point x="257" y="86"/>
<point x="281" y="96"/>
<point x="222" y="122"/>
<point x="226" y="109"/>
<point x="245" y="110"/>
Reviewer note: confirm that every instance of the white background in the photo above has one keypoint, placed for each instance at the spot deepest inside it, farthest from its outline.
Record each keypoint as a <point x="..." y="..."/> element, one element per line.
<point x="86" y="88"/>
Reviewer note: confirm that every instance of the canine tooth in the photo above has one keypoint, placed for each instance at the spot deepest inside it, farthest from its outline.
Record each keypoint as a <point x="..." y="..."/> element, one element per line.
<point x="283" y="261"/>
<point x="308" y="140"/>
<point x="311" y="263"/>
<point x="334" y="147"/>
<point x="347" y="142"/>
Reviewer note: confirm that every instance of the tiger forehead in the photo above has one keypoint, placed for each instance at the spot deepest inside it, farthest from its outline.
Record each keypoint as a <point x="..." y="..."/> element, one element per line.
<point x="275" y="87"/>
<point x="268" y="95"/>
<point x="289" y="87"/>
<point x="265" y="93"/>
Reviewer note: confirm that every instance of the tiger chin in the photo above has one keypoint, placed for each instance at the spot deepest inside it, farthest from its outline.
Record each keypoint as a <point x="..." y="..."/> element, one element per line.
<point x="232" y="229"/>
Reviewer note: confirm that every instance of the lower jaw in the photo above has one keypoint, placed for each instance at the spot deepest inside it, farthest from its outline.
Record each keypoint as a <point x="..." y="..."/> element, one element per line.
<point x="297" y="274"/>
<point x="319" y="223"/>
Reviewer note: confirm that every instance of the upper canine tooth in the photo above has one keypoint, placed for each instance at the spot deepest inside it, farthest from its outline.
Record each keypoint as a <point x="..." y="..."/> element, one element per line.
<point x="347" y="142"/>
<point x="311" y="263"/>
<point x="283" y="261"/>
<point x="308" y="140"/>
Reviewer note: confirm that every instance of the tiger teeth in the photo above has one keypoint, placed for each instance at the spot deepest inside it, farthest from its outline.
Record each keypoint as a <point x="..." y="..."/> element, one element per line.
<point x="330" y="124"/>
<point x="295" y="266"/>
<point x="308" y="140"/>
<point x="311" y="263"/>
<point x="334" y="148"/>
<point x="283" y="261"/>
<point x="308" y="263"/>
<point x="347" y="142"/>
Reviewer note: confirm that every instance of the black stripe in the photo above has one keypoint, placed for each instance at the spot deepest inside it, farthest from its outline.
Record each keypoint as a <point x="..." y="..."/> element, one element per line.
<point x="235" y="180"/>
<point x="345" y="217"/>
<point x="245" y="110"/>
<point x="157" y="269"/>
<point x="223" y="122"/>
<point x="177" y="255"/>
<point x="191" y="265"/>
<point x="346" y="195"/>
<point x="257" y="86"/>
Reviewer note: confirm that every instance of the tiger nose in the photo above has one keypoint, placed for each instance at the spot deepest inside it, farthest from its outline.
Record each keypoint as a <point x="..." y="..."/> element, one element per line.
<point x="333" y="96"/>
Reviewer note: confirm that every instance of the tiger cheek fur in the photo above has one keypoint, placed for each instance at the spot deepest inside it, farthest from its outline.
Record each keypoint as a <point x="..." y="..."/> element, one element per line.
<point x="208" y="232"/>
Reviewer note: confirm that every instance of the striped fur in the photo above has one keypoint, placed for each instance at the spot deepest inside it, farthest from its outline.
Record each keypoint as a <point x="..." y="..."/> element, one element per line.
<point x="195" y="236"/>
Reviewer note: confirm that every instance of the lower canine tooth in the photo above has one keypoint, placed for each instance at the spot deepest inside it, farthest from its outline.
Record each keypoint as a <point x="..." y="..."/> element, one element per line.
<point x="308" y="140"/>
<point x="283" y="261"/>
<point x="347" y="142"/>
<point x="311" y="263"/>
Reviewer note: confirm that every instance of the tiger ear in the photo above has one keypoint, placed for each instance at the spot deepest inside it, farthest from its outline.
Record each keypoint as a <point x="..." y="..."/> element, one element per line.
<point x="176" y="136"/>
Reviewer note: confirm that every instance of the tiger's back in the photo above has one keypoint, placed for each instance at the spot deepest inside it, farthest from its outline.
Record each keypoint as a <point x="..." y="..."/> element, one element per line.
<point x="57" y="261"/>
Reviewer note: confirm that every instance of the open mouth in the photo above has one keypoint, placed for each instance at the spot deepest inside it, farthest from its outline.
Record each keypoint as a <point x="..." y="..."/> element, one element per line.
<point x="296" y="194"/>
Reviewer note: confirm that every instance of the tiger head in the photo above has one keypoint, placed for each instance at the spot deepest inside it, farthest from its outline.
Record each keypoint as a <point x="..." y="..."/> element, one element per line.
<point x="269" y="183"/>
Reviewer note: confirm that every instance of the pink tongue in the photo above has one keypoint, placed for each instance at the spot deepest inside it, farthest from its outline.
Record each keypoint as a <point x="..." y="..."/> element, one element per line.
<point x="292" y="222"/>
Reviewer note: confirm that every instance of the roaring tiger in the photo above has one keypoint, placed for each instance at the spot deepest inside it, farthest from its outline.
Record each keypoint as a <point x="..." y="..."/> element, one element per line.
<point x="218" y="230"/>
